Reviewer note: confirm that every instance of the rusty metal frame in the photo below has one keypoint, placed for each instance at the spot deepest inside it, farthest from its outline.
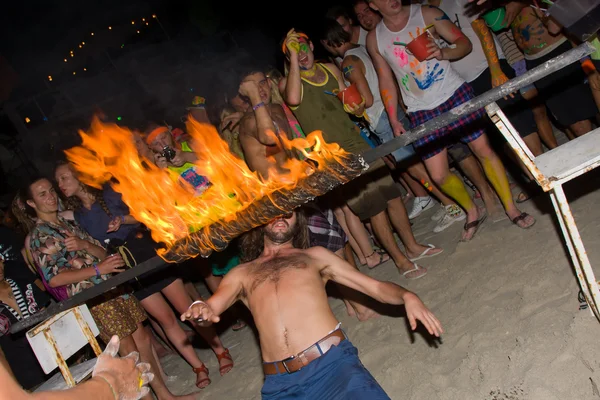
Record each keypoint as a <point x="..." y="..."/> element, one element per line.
<point x="581" y="263"/>
<point x="60" y="361"/>
<point x="45" y="329"/>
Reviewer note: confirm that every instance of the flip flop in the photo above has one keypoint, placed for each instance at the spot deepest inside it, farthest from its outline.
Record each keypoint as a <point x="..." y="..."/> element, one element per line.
<point x="521" y="217"/>
<point x="416" y="268"/>
<point x="475" y="224"/>
<point x="381" y="260"/>
<point x="239" y="325"/>
<point x="425" y="253"/>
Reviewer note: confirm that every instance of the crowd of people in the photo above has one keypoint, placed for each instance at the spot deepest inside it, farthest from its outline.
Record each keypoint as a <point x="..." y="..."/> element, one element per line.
<point x="77" y="236"/>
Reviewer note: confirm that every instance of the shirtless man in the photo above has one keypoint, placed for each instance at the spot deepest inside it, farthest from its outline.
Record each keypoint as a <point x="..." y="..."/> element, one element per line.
<point x="261" y="126"/>
<point x="284" y="288"/>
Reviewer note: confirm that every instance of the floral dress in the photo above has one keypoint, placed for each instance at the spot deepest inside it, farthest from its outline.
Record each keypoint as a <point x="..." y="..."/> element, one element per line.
<point x="114" y="313"/>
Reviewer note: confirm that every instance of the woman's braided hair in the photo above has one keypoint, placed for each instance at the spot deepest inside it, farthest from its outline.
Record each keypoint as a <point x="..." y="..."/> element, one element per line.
<point x="74" y="203"/>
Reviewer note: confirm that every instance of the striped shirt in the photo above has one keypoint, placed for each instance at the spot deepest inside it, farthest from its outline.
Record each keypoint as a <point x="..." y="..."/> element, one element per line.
<point x="509" y="47"/>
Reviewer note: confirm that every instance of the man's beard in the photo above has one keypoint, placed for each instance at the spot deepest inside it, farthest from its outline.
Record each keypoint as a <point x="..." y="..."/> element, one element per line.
<point x="281" y="237"/>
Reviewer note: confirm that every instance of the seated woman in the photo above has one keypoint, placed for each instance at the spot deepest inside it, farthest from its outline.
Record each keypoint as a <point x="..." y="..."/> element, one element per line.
<point x="20" y="298"/>
<point x="104" y="215"/>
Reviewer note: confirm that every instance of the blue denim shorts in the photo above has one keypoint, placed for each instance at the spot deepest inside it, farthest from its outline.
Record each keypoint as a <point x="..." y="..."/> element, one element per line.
<point x="385" y="133"/>
<point x="336" y="375"/>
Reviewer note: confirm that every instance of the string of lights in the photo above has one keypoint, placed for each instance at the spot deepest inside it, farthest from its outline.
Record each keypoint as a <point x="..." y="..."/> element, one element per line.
<point x="139" y="24"/>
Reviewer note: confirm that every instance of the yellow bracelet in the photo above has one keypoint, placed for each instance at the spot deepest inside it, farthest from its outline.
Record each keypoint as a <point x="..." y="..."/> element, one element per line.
<point x="109" y="385"/>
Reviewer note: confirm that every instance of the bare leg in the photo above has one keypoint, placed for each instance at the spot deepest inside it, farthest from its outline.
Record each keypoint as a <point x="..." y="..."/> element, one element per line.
<point x="359" y="232"/>
<point x="190" y="288"/>
<point x="415" y="186"/>
<point x="454" y="187"/>
<point x="341" y="218"/>
<point x="142" y="342"/>
<point x="541" y="119"/>
<point x="179" y="298"/>
<point x="399" y="219"/>
<point x="494" y="170"/>
<point x="159" y="347"/>
<point x="385" y="236"/>
<point x="158" y="308"/>
<point x="472" y="169"/>
<point x="580" y="128"/>
<point x="419" y="173"/>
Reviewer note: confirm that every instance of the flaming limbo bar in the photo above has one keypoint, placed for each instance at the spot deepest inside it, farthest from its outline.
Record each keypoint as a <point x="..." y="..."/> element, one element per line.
<point x="216" y="236"/>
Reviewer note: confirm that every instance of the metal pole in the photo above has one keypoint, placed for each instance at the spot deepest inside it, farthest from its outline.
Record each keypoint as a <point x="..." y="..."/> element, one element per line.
<point x="154" y="264"/>
<point x="475" y="104"/>
<point x="533" y="75"/>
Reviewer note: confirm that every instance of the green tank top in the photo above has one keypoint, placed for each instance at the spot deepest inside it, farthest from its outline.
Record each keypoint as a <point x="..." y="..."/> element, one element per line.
<point x="324" y="112"/>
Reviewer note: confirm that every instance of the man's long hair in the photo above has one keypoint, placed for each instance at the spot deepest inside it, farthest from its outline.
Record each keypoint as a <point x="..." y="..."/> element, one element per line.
<point x="252" y="242"/>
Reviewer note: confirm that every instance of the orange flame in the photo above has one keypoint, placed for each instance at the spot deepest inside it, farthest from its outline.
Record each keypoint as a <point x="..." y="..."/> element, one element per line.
<point x="169" y="207"/>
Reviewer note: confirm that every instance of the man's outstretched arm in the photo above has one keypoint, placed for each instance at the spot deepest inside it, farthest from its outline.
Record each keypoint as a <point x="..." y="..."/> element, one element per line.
<point x="342" y="272"/>
<point x="229" y="292"/>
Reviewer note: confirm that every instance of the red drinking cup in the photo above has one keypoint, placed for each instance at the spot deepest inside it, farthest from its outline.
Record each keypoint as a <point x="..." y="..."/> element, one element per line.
<point x="418" y="46"/>
<point x="350" y="95"/>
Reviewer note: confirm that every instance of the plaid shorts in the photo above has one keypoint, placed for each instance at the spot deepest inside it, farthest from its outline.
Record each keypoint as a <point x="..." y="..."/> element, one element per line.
<point x="324" y="229"/>
<point x="469" y="126"/>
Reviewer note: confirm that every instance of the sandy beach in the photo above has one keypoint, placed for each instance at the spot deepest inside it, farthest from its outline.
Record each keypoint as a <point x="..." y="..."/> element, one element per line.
<point x="508" y="303"/>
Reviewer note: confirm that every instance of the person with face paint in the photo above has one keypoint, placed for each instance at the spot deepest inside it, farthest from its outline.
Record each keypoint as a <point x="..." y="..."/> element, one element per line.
<point x="305" y="353"/>
<point x="261" y="127"/>
<point x="359" y="70"/>
<point x="374" y="196"/>
<point x="432" y="87"/>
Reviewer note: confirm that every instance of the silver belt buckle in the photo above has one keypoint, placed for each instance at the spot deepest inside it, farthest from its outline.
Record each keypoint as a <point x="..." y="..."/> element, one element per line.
<point x="284" y="362"/>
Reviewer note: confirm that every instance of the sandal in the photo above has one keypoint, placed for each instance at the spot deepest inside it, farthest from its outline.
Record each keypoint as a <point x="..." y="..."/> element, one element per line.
<point x="381" y="260"/>
<point x="475" y="224"/>
<point x="227" y="367"/>
<point x="200" y="383"/>
<point x="521" y="217"/>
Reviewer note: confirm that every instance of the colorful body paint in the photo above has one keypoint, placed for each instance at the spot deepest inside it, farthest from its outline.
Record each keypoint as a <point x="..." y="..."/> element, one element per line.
<point x="348" y="70"/>
<point x="405" y="80"/>
<point x="401" y="56"/>
<point x="431" y="76"/>
<point x="497" y="177"/>
<point x="455" y="188"/>
<point x="426" y="185"/>
<point x="388" y="102"/>
<point x="488" y="45"/>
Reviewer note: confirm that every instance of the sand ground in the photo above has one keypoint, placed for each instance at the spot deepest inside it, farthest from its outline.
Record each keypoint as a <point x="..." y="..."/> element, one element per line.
<point x="508" y="303"/>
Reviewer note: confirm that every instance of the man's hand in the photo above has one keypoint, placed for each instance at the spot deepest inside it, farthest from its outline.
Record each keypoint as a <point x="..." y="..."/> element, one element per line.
<point x="499" y="79"/>
<point x="292" y="44"/>
<point x="199" y="312"/>
<point x="160" y="161"/>
<point x="356" y="109"/>
<point x="513" y="9"/>
<point x="232" y="120"/>
<point x="128" y="379"/>
<point x="250" y="90"/>
<point x="74" y="243"/>
<point x="416" y="310"/>
<point x="114" y="224"/>
<point x="434" y="50"/>
<point x="181" y="157"/>
<point x="397" y="127"/>
<point x="111" y="264"/>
